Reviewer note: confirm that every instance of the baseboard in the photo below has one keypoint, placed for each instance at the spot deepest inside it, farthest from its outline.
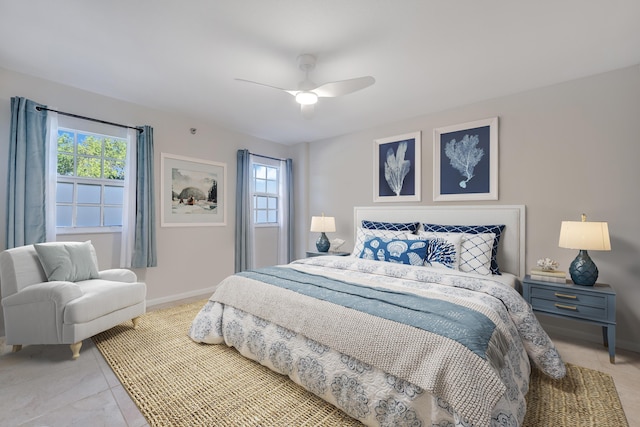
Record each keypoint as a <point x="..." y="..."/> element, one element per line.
<point x="594" y="338"/>
<point x="177" y="297"/>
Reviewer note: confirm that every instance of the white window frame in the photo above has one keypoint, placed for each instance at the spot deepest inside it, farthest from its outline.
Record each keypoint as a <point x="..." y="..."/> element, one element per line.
<point x="76" y="180"/>
<point x="255" y="194"/>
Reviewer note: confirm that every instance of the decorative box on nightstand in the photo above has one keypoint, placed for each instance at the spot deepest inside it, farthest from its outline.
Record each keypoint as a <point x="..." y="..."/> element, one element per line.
<point x="592" y="304"/>
<point x="315" y="253"/>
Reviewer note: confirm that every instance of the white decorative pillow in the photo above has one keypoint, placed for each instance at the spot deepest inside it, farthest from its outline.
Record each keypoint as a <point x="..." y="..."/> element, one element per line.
<point x="443" y="250"/>
<point x="476" y="250"/>
<point x="68" y="261"/>
<point x="362" y="234"/>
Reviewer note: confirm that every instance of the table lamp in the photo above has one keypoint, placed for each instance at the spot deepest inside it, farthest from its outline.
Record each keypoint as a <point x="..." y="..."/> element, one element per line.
<point x="583" y="235"/>
<point x="323" y="224"/>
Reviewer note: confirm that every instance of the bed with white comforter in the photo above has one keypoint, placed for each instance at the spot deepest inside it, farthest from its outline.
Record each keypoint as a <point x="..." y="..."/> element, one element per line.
<point x="389" y="344"/>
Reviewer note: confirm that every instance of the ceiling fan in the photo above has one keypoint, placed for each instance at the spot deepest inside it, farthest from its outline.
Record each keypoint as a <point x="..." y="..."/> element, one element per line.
<point x="308" y="92"/>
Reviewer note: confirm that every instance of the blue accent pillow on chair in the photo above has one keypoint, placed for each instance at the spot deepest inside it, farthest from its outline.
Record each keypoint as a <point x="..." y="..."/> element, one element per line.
<point x="411" y="252"/>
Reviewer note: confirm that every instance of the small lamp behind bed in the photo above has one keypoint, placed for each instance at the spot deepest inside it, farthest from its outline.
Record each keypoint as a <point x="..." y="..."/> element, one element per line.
<point x="323" y="224"/>
<point x="583" y="235"/>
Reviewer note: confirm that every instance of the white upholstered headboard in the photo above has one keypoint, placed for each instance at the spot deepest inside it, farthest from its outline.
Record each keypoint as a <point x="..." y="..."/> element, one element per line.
<point x="511" y="256"/>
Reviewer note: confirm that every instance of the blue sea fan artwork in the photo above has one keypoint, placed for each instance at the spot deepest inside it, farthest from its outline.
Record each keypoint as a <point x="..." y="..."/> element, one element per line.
<point x="441" y="251"/>
<point x="464" y="155"/>
<point x="396" y="167"/>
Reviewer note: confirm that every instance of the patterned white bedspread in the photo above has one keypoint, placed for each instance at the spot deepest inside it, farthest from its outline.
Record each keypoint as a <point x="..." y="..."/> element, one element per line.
<point x="377" y="370"/>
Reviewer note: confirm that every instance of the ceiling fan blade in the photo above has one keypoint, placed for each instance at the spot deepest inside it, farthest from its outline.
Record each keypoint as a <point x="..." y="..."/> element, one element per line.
<point x="307" y="110"/>
<point x="343" y="87"/>
<point x="292" y="92"/>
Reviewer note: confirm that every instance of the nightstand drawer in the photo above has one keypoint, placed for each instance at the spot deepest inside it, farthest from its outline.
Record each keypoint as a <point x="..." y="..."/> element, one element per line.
<point x="569" y="297"/>
<point x="568" y="308"/>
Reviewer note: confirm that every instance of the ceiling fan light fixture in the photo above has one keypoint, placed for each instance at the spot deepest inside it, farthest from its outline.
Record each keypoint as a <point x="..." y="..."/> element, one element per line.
<point x="306" y="98"/>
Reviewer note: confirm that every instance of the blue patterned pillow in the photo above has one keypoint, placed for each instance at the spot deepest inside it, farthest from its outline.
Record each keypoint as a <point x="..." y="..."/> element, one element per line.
<point x="393" y="226"/>
<point x="443" y="249"/>
<point x="410" y="252"/>
<point x="473" y="229"/>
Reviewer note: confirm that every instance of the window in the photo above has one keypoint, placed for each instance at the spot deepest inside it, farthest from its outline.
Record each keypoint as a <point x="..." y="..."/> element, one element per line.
<point x="90" y="180"/>
<point x="265" y="194"/>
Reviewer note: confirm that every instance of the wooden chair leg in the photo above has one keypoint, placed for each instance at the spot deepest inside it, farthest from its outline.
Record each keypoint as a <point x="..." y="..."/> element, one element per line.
<point x="136" y="322"/>
<point x="16" y="348"/>
<point x="75" y="349"/>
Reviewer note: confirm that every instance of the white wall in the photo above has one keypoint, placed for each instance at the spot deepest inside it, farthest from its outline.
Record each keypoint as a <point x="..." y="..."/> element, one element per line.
<point x="564" y="150"/>
<point x="190" y="259"/>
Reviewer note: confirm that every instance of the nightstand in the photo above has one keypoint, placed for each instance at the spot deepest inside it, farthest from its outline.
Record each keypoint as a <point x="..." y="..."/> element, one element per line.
<point x="591" y="304"/>
<point x="315" y="253"/>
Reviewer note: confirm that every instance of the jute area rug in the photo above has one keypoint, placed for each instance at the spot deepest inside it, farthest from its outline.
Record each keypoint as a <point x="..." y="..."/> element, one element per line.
<point x="176" y="382"/>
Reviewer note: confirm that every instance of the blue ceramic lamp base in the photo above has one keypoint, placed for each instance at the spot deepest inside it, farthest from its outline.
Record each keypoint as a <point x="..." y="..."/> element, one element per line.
<point x="322" y="244"/>
<point x="583" y="270"/>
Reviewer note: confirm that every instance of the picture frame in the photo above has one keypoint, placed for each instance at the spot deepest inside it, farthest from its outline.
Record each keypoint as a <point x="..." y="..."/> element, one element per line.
<point x="396" y="168"/>
<point x="193" y="192"/>
<point x="465" y="161"/>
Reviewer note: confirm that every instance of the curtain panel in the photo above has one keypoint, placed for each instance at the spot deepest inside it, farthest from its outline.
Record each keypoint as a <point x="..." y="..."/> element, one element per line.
<point x="144" y="253"/>
<point x="244" y="231"/>
<point x="27" y="181"/>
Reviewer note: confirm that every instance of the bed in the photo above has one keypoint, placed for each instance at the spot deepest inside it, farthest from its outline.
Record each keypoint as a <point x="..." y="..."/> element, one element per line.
<point x="421" y="326"/>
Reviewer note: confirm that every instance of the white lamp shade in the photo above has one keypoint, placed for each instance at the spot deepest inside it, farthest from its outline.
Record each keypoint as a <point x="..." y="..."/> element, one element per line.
<point x="306" y="98"/>
<point x="585" y="235"/>
<point x="323" y="224"/>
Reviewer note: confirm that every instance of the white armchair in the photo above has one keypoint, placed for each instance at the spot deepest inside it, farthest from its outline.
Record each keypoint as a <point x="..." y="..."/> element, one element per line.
<point x="56" y="295"/>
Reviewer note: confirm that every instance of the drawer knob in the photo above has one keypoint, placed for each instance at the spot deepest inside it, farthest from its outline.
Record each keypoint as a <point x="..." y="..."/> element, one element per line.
<point x="559" y="295"/>
<point x="566" y="307"/>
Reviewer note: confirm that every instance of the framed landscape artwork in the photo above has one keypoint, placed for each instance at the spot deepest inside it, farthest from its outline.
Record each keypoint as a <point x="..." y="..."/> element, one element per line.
<point x="396" y="168"/>
<point x="465" y="161"/>
<point x="193" y="192"/>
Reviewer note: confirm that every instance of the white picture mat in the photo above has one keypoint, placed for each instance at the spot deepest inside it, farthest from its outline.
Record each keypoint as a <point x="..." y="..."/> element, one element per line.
<point x="169" y="162"/>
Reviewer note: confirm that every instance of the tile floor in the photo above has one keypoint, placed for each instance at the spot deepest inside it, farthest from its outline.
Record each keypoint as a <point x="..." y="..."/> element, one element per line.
<point x="42" y="386"/>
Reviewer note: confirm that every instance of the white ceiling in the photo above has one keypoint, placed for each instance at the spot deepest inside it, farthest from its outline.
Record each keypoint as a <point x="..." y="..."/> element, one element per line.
<point x="426" y="55"/>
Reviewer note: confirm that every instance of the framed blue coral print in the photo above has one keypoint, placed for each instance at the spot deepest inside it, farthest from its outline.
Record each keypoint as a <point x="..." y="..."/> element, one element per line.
<point x="396" y="168"/>
<point x="465" y="161"/>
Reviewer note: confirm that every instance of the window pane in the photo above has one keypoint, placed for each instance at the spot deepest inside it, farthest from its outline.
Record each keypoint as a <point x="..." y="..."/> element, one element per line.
<point x="261" y="202"/>
<point x="272" y="187"/>
<point x="272" y="217"/>
<point x="272" y="174"/>
<point x="89" y="167"/>
<point x="273" y="202"/>
<point x="114" y="169"/>
<point x="112" y="216"/>
<point x="65" y="164"/>
<point x="115" y="148"/>
<point x="64" y="216"/>
<point x="260" y="171"/>
<point x="88" y="193"/>
<point x="64" y="192"/>
<point x="89" y="145"/>
<point x="113" y="195"/>
<point x="261" y="186"/>
<point x="261" y="217"/>
<point x="65" y="141"/>
<point x="88" y="216"/>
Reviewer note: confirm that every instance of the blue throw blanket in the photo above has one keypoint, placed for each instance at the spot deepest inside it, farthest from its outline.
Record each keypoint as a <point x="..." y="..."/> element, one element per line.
<point x="468" y="327"/>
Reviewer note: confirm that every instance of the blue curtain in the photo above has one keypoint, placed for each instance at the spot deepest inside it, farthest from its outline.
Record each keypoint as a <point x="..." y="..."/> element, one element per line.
<point x="144" y="252"/>
<point x="289" y="224"/>
<point x="26" y="214"/>
<point x="243" y="249"/>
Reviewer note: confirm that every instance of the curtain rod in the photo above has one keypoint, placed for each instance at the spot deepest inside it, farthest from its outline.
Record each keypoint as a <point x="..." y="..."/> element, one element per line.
<point x="90" y="119"/>
<point x="267" y="157"/>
